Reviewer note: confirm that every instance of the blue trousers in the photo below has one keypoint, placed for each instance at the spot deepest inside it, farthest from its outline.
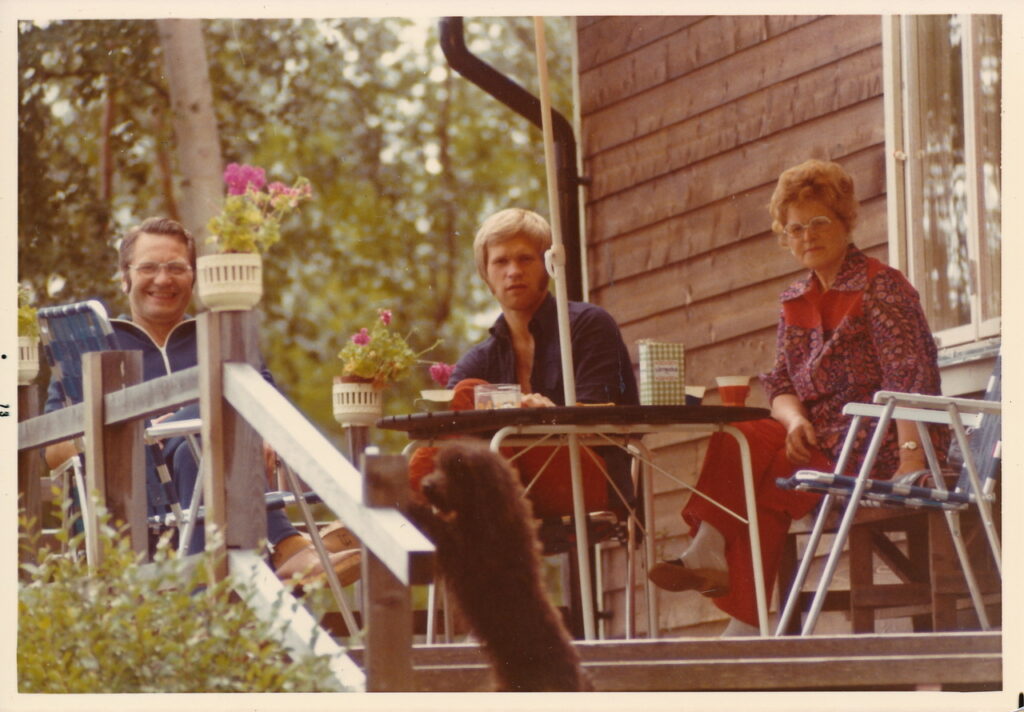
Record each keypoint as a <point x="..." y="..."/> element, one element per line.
<point x="184" y="472"/>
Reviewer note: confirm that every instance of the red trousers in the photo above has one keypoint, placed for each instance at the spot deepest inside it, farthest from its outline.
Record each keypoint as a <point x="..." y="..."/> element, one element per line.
<point x="721" y="478"/>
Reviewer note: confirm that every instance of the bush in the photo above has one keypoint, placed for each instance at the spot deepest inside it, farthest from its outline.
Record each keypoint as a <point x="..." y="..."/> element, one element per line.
<point x="129" y="628"/>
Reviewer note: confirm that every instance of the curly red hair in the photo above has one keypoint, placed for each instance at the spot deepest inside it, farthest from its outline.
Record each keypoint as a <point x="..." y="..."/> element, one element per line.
<point x="824" y="181"/>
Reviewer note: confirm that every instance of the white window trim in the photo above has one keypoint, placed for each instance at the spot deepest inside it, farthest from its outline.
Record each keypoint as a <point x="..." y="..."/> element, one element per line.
<point x="903" y="220"/>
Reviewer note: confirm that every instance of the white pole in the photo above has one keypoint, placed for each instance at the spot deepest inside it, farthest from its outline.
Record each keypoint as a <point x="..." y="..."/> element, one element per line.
<point x="555" y="261"/>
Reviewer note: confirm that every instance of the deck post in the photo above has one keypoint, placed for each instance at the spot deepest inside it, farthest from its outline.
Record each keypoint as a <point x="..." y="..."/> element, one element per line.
<point x="114" y="462"/>
<point x="29" y="473"/>
<point x="232" y="468"/>
<point x="388" y="602"/>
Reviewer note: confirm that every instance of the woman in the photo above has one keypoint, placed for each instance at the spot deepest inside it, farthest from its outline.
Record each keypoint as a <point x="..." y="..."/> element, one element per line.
<point x="850" y="327"/>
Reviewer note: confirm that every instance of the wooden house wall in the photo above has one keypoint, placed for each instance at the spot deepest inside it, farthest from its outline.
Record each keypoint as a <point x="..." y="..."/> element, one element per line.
<point x="686" y="123"/>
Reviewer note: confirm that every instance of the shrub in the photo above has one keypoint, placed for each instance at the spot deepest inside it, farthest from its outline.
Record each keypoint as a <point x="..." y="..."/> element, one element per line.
<point x="130" y="628"/>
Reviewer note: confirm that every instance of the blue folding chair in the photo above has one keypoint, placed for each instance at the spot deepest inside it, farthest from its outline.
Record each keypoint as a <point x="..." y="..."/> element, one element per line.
<point x="66" y="333"/>
<point x="975" y="487"/>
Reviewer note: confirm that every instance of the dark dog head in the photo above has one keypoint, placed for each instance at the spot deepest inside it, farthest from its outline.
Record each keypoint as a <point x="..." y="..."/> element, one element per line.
<point x="469" y="478"/>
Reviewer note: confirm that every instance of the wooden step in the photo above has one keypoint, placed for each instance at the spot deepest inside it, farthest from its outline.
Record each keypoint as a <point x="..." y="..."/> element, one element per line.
<point x="855" y="662"/>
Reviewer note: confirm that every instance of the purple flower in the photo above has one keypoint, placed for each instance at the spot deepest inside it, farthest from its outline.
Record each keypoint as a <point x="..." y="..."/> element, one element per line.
<point x="362" y="338"/>
<point x="441" y="373"/>
<point x="239" y="177"/>
<point x="385" y="316"/>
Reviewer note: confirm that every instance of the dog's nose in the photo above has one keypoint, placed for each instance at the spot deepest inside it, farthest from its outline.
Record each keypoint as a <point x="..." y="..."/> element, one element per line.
<point x="428" y="488"/>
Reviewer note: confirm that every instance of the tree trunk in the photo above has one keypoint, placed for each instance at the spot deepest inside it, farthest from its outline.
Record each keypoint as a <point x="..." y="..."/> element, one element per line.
<point x="195" y="126"/>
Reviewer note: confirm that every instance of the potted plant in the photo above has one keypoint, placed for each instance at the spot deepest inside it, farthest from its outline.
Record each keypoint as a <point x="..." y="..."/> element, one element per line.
<point x="372" y="359"/>
<point x="232" y="278"/>
<point x="28" y="338"/>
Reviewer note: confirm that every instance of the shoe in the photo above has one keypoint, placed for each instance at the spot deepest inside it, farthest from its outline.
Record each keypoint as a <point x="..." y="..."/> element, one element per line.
<point x="347" y="565"/>
<point x="674" y="576"/>
<point x="337" y="537"/>
<point x="306" y="564"/>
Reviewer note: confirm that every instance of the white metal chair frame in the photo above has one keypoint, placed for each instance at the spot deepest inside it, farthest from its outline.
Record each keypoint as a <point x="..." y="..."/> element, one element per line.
<point x="956" y="413"/>
<point x="186" y="521"/>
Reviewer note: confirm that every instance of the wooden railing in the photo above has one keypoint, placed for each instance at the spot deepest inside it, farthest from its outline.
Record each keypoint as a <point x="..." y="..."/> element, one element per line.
<point x="239" y="409"/>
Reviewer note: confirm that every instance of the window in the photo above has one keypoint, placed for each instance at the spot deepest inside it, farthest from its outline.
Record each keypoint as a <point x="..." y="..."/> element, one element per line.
<point x="943" y="98"/>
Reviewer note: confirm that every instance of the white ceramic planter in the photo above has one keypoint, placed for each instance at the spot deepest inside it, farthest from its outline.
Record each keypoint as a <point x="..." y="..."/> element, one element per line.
<point x="28" y="359"/>
<point x="230" y="281"/>
<point x="356" y="403"/>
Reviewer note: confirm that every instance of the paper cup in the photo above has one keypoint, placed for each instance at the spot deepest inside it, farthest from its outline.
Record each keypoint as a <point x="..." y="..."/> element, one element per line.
<point x="733" y="390"/>
<point x="488" y="396"/>
<point x="695" y="395"/>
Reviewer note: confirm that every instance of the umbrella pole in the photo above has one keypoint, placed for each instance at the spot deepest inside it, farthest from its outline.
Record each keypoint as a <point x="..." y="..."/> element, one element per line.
<point x="555" y="262"/>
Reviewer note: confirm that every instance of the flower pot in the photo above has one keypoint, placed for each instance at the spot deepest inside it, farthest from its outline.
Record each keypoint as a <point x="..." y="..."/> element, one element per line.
<point x="356" y="403"/>
<point x="229" y="282"/>
<point x="28" y="359"/>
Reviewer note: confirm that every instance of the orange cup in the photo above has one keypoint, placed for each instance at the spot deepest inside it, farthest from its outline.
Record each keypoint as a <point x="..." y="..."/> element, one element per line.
<point x="733" y="390"/>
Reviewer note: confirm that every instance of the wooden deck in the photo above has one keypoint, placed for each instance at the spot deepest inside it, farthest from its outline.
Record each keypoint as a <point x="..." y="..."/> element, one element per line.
<point x="946" y="661"/>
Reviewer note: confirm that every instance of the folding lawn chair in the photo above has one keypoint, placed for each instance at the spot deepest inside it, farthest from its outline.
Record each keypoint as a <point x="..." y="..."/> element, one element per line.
<point x="974" y="488"/>
<point x="67" y="332"/>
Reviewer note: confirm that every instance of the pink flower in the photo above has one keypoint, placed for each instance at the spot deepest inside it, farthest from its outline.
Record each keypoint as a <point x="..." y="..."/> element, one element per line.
<point x="278" y="188"/>
<point x="239" y="177"/>
<point x="385" y="316"/>
<point x="362" y="338"/>
<point x="441" y="373"/>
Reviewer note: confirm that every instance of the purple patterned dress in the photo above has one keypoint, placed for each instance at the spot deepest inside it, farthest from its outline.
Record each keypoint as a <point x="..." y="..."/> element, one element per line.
<point x="867" y="333"/>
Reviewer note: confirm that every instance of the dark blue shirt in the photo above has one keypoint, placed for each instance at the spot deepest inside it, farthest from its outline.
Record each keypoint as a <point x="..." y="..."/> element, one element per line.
<point x="603" y="371"/>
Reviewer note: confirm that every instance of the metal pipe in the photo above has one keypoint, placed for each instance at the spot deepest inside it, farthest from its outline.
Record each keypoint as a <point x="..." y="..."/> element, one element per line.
<point x="525" y="104"/>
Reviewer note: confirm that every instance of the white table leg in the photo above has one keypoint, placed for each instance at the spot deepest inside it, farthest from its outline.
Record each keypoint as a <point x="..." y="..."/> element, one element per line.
<point x="752" y="526"/>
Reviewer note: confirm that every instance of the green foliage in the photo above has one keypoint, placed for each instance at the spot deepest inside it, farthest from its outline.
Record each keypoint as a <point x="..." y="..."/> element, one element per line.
<point x="28" y="325"/>
<point x="407" y="159"/>
<point x="128" y="628"/>
<point x="69" y="75"/>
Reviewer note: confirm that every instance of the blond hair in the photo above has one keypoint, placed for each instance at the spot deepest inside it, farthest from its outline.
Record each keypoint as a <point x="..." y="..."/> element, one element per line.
<point x="824" y="181"/>
<point x="505" y="225"/>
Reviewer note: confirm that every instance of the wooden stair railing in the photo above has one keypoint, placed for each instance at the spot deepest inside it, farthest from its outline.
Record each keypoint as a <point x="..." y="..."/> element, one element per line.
<point x="239" y="408"/>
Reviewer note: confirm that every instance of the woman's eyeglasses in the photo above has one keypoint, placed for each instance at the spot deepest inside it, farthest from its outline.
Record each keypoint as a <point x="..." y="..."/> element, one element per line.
<point x="799" y="230"/>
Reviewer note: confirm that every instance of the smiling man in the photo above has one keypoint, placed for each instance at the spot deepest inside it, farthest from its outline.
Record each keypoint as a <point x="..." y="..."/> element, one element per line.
<point x="523" y="346"/>
<point x="157" y="260"/>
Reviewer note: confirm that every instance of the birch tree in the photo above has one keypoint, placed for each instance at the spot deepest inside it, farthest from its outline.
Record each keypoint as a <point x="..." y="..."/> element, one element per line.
<point x="195" y="126"/>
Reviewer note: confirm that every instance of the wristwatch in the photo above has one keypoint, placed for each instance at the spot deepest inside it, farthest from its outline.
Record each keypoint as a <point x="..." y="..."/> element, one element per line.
<point x="909" y="445"/>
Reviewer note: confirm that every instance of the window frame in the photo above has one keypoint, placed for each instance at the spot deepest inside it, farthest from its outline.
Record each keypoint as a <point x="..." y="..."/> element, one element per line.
<point x="904" y="217"/>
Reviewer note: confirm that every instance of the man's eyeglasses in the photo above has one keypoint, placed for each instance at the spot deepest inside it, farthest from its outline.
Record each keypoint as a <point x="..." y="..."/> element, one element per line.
<point x="177" y="268"/>
<point x="799" y="230"/>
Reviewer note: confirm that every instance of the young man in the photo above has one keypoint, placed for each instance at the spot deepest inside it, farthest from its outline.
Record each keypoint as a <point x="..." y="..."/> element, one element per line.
<point x="157" y="262"/>
<point x="523" y="346"/>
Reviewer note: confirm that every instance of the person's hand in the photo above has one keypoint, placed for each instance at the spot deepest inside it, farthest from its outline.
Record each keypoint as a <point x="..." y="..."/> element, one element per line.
<point x="536" y="400"/>
<point x="800" y="440"/>
<point x="161" y="418"/>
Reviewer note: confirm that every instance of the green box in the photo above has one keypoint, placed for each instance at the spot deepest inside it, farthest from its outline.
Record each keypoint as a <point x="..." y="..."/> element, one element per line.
<point x="662" y="373"/>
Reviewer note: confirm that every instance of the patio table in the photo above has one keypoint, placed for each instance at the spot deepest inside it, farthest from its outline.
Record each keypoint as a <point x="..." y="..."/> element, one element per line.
<point x="622" y="426"/>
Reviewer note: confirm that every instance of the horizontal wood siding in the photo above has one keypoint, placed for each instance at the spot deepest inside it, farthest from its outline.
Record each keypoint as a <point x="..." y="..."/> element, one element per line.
<point x="686" y="123"/>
